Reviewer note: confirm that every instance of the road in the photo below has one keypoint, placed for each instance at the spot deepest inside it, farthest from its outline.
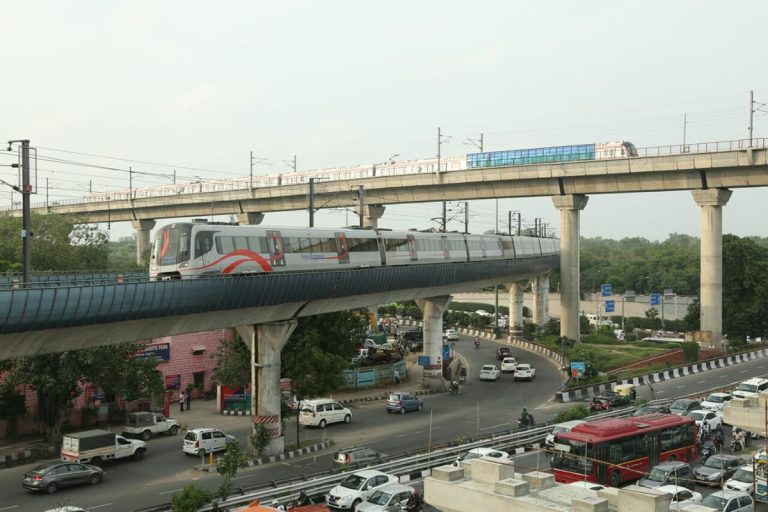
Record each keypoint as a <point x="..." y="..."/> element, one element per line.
<point x="479" y="407"/>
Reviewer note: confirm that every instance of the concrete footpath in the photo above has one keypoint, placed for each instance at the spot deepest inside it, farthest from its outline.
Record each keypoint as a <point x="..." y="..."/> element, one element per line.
<point x="203" y="414"/>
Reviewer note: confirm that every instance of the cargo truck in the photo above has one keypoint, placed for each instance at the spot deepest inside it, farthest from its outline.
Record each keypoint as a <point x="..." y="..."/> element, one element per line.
<point x="96" y="446"/>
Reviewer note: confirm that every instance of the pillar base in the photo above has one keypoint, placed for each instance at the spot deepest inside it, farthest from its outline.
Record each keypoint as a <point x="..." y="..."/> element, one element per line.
<point x="275" y="446"/>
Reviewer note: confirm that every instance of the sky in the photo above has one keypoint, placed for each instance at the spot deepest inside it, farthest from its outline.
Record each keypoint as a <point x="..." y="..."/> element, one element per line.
<point x="194" y="87"/>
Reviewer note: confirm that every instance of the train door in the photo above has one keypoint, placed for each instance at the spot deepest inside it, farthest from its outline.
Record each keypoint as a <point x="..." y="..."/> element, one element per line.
<point x="342" y="247"/>
<point x="204" y="248"/>
<point x="276" y="249"/>
<point x="412" y="248"/>
<point x="446" y="249"/>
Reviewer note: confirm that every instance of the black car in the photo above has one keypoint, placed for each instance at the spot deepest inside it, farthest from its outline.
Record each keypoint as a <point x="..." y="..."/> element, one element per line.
<point x="717" y="469"/>
<point x="611" y="400"/>
<point x="502" y="352"/>
<point x="651" y="409"/>
<point x="53" y="475"/>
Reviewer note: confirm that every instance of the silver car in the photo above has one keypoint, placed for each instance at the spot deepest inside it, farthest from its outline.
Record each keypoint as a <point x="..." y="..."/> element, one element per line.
<point x="53" y="475"/>
<point x="390" y="498"/>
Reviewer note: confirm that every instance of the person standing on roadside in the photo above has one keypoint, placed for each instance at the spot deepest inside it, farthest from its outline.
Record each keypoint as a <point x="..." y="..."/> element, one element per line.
<point x="188" y="400"/>
<point x="182" y="399"/>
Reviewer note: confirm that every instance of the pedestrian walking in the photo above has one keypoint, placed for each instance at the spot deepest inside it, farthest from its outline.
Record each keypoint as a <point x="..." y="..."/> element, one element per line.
<point x="188" y="400"/>
<point x="397" y="377"/>
<point x="182" y="399"/>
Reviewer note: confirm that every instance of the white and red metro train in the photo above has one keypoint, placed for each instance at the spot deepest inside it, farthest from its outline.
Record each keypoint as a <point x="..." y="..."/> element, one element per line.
<point x="186" y="250"/>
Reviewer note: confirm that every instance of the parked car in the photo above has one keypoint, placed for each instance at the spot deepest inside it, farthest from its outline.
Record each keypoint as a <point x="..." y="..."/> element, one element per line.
<point x="356" y="455"/>
<point x="321" y="412"/>
<point x="357" y="487"/>
<point x="508" y="364"/>
<point x="525" y="371"/>
<point x="477" y="453"/>
<point x="651" y="409"/>
<point x="717" y="469"/>
<point x="729" y="501"/>
<point x="391" y="497"/>
<point x="742" y="480"/>
<point x="502" y="352"/>
<point x="681" y="497"/>
<point x="51" y="476"/>
<point x="668" y="473"/>
<point x="750" y="388"/>
<point x="200" y="441"/>
<point x="489" y="372"/>
<point x="716" y="401"/>
<point x="609" y="400"/>
<point x="683" y="406"/>
<point x="702" y="416"/>
<point x="566" y="426"/>
<point x="403" y="402"/>
<point x="451" y="335"/>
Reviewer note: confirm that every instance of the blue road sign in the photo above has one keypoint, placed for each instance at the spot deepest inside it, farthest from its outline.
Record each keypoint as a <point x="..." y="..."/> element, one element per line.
<point x="607" y="289"/>
<point x="423" y="360"/>
<point x="446" y="352"/>
<point x="578" y="369"/>
<point x="610" y="306"/>
<point x="655" y="299"/>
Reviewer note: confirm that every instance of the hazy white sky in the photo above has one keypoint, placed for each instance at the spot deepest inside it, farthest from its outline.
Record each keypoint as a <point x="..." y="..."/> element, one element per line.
<point x="197" y="85"/>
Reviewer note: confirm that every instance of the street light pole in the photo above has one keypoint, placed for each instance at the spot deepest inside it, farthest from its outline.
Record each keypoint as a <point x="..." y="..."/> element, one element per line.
<point x="26" y="191"/>
<point x="311" y="202"/>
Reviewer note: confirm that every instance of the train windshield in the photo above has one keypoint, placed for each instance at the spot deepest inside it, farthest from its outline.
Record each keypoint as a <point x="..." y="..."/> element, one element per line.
<point x="171" y="245"/>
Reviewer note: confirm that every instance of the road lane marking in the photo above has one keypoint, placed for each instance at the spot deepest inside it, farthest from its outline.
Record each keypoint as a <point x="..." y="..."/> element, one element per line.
<point x="660" y="392"/>
<point x="9" y="508"/>
<point x="99" y="506"/>
<point x="680" y="387"/>
<point x="743" y="371"/>
<point x="701" y="382"/>
<point x="722" y="376"/>
<point x="170" y="492"/>
<point x="762" y="366"/>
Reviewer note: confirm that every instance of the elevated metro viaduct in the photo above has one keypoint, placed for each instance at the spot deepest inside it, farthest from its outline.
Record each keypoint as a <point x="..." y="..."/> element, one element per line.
<point x="709" y="170"/>
<point x="264" y="309"/>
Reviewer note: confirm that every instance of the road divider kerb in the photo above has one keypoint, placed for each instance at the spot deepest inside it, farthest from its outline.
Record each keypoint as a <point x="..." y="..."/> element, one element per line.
<point x="211" y="468"/>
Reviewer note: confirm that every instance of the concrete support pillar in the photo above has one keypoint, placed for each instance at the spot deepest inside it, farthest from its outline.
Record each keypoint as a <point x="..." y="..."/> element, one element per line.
<point x="252" y="218"/>
<point x="516" y="302"/>
<point x="142" y="227"/>
<point x="372" y="214"/>
<point x="541" y="300"/>
<point x="711" y="202"/>
<point x="433" y="309"/>
<point x="266" y="342"/>
<point x="569" y="207"/>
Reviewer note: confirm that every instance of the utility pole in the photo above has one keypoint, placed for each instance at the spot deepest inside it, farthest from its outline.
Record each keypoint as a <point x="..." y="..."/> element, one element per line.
<point x="466" y="217"/>
<point x="25" y="191"/>
<point x="751" y="115"/>
<point x="445" y="219"/>
<point x="251" y="183"/>
<point x="685" y="127"/>
<point x="311" y="202"/>
<point x="361" y="200"/>
<point x="130" y="182"/>
<point x="440" y="139"/>
<point x="496" y="229"/>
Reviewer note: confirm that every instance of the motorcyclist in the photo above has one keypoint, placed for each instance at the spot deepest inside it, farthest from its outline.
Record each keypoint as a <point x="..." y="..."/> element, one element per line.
<point x="477" y="341"/>
<point x="526" y="418"/>
<point x="737" y="440"/>
<point x="414" y="503"/>
<point x="453" y="386"/>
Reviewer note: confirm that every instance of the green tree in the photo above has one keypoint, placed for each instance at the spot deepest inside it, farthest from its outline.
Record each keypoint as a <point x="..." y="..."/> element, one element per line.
<point x="56" y="379"/>
<point x="228" y="467"/>
<point x="190" y="499"/>
<point x="745" y="279"/>
<point x="233" y="367"/>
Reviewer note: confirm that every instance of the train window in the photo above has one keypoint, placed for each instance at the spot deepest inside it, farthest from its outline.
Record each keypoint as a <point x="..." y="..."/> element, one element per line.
<point x="396" y="244"/>
<point x="224" y="244"/>
<point x="258" y="244"/>
<point x="328" y="245"/>
<point x="203" y="243"/>
<point x="240" y="242"/>
<point x="292" y="244"/>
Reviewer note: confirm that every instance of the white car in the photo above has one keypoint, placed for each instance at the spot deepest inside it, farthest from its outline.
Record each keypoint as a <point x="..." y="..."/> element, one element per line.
<point x="742" y="480"/>
<point x="319" y="413"/>
<point x="390" y="497"/>
<point x="681" y="496"/>
<point x="508" y="364"/>
<point x="451" y="335"/>
<point x="200" y="441"/>
<point x="566" y="426"/>
<point x="477" y="453"/>
<point x="489" y="372"/>
<point x="357" y="488"/>
<point x="525" y="371"/>
<point x="717" y="401"/>
<point x="702" y="416"/>
<point x="583" y="484"/>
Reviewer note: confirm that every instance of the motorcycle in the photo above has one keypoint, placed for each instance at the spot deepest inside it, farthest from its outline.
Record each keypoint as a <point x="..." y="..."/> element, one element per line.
<point x="477" y="343"/>
<point x="526" y="423"/>
<point x="707" y="450"/>
<point x="453" y="387"/>
<point x="463" y="376"/>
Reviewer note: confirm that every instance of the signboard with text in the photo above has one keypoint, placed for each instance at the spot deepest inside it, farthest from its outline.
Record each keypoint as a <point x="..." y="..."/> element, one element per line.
<point x="610" y="306"/>
<point x="161" y="351"/>
<point x="655" y="299"/>
<point x="606" y="289"/>
<point x="578" y="369"/>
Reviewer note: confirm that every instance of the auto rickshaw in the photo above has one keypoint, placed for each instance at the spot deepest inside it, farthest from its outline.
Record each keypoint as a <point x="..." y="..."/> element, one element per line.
<point x="626" y="390"/>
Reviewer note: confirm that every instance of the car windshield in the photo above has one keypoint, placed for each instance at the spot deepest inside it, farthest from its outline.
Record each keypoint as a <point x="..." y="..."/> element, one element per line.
<point x="715" y="501"/>
<point x="698" y="416"/>
<point x="488" y="368"/>
<point x="750" y="388"/>
<point x="559" y="429"/>
<point x="658" y="475"/>
<point x="714" y="462"/>
<point x="715" y="399"/>
<point x="379" y="498"/>
<point x="353" y="482"/>
<point x="523" y="367"/>
<point x="679" y="405"/>
<point x="743" y="475"/>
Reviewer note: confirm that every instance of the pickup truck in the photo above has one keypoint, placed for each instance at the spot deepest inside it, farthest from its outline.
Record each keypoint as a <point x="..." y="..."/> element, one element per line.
<point x="145" y="424"/>
<point x="489" y="372"/>
<point x="97" y="446"/>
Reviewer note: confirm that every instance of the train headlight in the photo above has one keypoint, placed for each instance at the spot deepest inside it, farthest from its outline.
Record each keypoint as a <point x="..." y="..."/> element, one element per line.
<point x="184" y="265"/>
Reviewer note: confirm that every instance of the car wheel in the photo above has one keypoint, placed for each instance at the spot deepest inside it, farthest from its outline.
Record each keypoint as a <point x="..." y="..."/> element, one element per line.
<point x="402" y="411"/>
<point x="138" y="454"/>
<point x="173" y="430"/>
<point x="95" y="479"/>
<point x="615" y="479"/>
<point x="146" y="435"/>
<point x="51" y="488"/>
<point x="322" y="423"/>
<point x="355" y="504"/>
<point x="421" y="406"/>
<point x="347" y="418"/>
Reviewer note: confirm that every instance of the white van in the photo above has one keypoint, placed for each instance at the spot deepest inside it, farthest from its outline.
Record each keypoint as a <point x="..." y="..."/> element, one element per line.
<point x="319" y="413"/>
<point x="567" y="426"/>
<point x="750" y="388"/>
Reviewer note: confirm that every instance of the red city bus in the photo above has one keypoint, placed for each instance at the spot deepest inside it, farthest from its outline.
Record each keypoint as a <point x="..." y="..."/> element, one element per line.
<point x="614" y="450"/>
